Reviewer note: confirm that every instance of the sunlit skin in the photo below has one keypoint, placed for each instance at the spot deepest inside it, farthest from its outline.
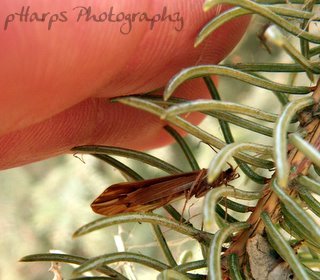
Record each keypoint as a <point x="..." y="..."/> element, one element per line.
<point x="55" y="83"/>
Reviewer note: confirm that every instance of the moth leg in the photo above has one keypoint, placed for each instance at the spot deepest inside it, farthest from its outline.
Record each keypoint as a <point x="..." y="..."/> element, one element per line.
<point x="196" y="184"/>
<point x="184" y="206"/>
<point x="189" y="193"/>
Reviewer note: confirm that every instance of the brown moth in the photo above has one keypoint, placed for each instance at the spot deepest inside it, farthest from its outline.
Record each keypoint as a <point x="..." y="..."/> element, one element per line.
<point x="148" y="195"/>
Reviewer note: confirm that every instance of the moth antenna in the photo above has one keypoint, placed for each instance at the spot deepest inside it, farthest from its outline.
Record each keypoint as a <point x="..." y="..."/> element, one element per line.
<point x="262" y="38"/>
<point x="230" y="165"/>
<point x="202" y="142"/>
<point x="79" y="158"/>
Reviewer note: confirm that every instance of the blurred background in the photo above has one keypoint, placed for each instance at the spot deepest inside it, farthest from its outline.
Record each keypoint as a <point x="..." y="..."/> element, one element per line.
<point x="43" y="203"/>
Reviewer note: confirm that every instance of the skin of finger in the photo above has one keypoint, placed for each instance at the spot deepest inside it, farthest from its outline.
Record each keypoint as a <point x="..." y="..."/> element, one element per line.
<point x="169" y="52"/>
<point x="44" y="72"/>
<point x="93" y="121"/>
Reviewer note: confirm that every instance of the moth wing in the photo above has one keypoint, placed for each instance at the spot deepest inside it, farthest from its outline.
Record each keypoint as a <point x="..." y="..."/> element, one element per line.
<point x="172" y="189"/>
<point x="140" y="196"/>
